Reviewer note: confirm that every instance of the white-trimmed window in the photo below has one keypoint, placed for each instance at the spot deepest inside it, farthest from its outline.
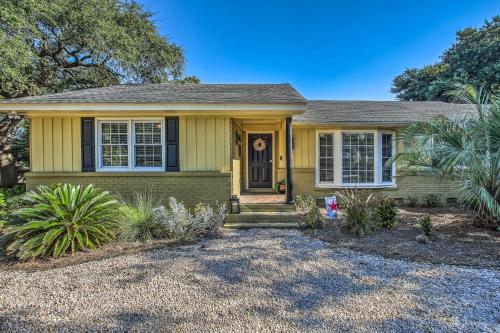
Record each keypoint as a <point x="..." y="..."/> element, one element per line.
<point x="387" y="152"/>
<point x="358" y="158"/>
<point x="355" y="158"/>
<point x="114" y="145"/>
<point x="124" y="145"/>
<point x="326" y="148"/>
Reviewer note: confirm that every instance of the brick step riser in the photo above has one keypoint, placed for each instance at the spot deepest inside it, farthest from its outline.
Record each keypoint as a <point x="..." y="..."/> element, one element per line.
<point x="260" y="226"/>
<point x="263" y="208"/>
<point x="266" y="210"/>
<point x="261" y="220"/>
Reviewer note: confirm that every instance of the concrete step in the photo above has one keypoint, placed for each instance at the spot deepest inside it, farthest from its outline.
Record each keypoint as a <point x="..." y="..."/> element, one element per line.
<point x="266" y="207"/>
<point x="263" y="225"/>
<point x="263" y="217"/>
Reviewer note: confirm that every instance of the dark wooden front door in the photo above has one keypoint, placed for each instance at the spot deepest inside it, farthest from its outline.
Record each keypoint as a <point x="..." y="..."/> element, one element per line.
<point x="260" y="160"/>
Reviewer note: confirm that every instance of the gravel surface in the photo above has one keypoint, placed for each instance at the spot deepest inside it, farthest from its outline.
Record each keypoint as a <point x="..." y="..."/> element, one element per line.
<point x="256" y="280"/>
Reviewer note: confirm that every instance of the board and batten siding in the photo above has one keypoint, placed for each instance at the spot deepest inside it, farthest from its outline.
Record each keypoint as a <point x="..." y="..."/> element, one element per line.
<point x="304" y="148"/>
<point x="205" y="143"/>
<point x="55" y="144"/>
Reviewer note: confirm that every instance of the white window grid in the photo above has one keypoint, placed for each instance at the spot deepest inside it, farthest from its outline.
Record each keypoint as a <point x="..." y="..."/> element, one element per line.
<point x="338" y="171"/>
<point x="132" y="144"/>
<point x="326" y="157"/>
<point x="358" y="157"/>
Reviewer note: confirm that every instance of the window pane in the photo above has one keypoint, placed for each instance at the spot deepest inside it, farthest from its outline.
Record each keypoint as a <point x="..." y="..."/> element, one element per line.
<point x="114" y="144"/>
<point x="326" y="157"/>
<point x="386" y="155"/>
<point x="148" y="144"/>
<point x="358" y="157"/>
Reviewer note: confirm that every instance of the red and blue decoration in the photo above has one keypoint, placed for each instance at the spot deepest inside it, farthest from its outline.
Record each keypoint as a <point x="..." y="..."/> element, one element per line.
<point x="331" y="207"/>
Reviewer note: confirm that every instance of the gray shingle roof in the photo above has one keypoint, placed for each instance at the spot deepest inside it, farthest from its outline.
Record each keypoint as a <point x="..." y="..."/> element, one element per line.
<point x="176" y="93"/>
<point x="376" y="112"/>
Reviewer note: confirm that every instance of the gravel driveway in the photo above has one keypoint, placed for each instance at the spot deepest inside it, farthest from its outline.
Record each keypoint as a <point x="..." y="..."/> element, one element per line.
<point x="256" y="280"/>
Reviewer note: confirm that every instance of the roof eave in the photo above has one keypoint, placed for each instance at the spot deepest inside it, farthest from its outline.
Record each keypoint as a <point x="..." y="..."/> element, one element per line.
<point x="352" y="123"/>
<point x="295" y="108"/>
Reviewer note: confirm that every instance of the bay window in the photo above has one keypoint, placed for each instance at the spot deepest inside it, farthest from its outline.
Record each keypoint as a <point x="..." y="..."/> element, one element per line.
<point x="355" y="158"/>
<point x="124" y="145"/>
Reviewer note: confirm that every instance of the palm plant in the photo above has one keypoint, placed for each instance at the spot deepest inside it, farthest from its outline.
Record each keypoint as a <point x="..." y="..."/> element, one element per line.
<point x="464" y="147"/>
<point x="60" y="219"/>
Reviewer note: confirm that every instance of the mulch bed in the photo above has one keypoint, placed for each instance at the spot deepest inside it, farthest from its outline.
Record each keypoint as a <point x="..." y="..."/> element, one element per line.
<point x="107" y="251"/>
<point x="456" y="239"/>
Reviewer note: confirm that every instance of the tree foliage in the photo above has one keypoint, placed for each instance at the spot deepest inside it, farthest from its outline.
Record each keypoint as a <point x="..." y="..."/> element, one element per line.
<point x="465" y="148"/>
<point x="48" y="46"/>
<point x="55" y="45"/>
<point x="474" y="58"/>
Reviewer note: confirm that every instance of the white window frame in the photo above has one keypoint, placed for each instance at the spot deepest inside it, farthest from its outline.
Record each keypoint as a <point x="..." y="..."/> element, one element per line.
<point x="393" y="166"/>
<point x="338" y="165"/>
<point x="335" y="158"/>
<point x="130" y="143"/>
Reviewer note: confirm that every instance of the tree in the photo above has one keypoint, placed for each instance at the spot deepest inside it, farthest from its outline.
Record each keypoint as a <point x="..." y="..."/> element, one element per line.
<point x="50" y="46"/>
<point x="465" y="148"/>
<point x="472" y="59"/>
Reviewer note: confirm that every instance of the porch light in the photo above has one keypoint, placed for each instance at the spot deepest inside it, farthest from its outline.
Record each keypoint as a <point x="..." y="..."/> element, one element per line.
<point x="235" y="204"/>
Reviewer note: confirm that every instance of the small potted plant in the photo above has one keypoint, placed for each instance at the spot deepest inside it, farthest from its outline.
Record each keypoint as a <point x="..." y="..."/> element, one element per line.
<point x="280" y="186"/>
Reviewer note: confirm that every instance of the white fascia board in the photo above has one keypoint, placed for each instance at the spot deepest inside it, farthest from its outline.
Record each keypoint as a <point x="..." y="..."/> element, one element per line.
<point x="6" y="107"/>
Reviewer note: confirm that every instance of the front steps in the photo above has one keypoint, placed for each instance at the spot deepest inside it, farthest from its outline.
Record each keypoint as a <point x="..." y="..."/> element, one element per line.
<point x="279" y="216"/>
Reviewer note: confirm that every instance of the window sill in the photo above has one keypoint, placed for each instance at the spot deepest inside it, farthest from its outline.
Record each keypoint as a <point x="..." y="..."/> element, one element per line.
<point x="361" y="186"/>
<point x="132" y="170"/>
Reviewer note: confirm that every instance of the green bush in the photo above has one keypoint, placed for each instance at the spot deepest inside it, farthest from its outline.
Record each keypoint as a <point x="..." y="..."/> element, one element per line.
<point x="61" y="219"/>
<point x="432" y="200"/>
<point x="412" y="201"/>
<point x="426" y="224"/>
<point x="136" y="218"/>
<point x="356" y="206"/>
<point x="385" y="213"/>
<point x="309" y="212"/>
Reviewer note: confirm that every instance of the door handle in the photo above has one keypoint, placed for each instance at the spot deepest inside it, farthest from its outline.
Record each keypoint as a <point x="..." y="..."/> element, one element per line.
<point x="270" y="161"/>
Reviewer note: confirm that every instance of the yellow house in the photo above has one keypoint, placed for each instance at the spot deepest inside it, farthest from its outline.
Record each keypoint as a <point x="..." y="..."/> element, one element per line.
<point x="207" y="142"/>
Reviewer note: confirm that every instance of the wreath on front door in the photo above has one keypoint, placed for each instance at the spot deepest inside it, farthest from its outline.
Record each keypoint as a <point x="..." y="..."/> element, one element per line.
<point x="259" y="144"/>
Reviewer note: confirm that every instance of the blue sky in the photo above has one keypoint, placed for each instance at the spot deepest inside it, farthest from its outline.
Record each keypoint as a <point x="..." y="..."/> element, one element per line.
<point x="325" y="49"/>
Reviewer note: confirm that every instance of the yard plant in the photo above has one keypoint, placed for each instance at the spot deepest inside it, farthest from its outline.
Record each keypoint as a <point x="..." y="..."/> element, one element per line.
<point x="386" y="212"/>
<point x="356" y="206"/>
<point x="465" y="148"/>
<point x="60" y="219"/>
<point x="432" y="200"/>
<point x="136" y="218"/>
<point x="426" y="224"/>
<point x="308" y="210"/>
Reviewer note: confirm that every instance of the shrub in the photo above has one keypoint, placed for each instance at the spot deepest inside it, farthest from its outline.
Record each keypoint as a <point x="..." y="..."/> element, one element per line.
<point x="178" y="222"/>
<point x="60" y="219"/>
<point x="3" y="207"/>
<point x="356" y="208"/>
<point x="212" y="220"/>
<point x="137" y="221"/>
<point x="412" y="201"/>
<point x="309" y="212"/>
<point x="432" y="200"/>
<point x="426" y="225"/>
<point x="385" y="213"/>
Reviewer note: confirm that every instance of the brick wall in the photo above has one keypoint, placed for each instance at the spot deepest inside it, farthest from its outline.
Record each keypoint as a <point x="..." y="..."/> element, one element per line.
<point x="416" y="186"/>
<point x="188" y="187"/>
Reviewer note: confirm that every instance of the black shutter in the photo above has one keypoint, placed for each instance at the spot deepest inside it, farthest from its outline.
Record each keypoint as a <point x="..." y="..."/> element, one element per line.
<point x="172" y="144"/>
<point x="88" y="145"/>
